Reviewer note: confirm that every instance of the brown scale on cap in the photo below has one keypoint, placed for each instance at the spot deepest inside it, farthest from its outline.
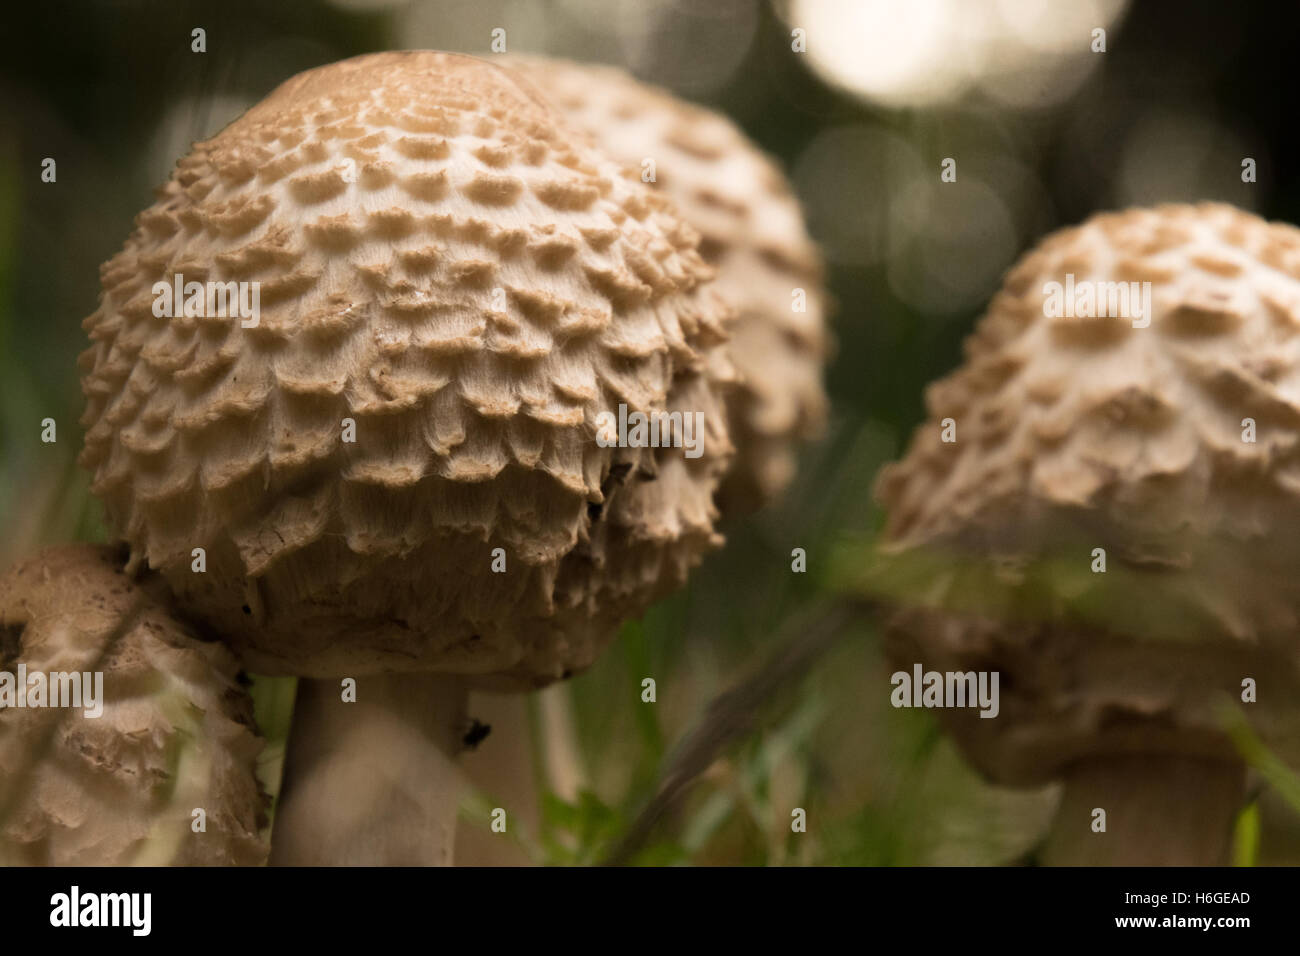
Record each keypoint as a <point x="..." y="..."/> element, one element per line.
<point x="445" y="263"/>
<point x="176" y="731"/>
<point x="753" y="232"/>
<point x="1075" y="433"/>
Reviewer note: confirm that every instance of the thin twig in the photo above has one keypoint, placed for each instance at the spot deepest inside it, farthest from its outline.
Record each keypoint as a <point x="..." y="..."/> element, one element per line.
<point x="731" y="715"/>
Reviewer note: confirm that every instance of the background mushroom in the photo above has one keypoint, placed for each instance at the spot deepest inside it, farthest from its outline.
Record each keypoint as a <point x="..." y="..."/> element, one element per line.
<point x="396" y="471"/>
<point x="753" y="233"/>
<point x="1174" y="448"/>
<point x="768" y="268"/>
<point x="175" y="734"/>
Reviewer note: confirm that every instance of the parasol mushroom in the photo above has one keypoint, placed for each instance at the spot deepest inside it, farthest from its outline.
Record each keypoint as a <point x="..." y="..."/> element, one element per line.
<point x="402" y="471"/>
<point x="125" y="739"/>
<point x="753" y="233"/>
<point x="1110" y="529"/>
<point x="767" y="267"/>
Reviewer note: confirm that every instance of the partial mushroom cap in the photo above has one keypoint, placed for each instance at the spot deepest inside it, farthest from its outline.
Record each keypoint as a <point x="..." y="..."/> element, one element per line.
<point x="175" y="735"/>
<point x="447" y="269"/>
<point x="1076" y="433"/>
<point x="754" y="235"/>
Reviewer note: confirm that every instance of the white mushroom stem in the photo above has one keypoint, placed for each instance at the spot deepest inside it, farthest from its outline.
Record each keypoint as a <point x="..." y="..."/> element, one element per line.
<point x="506" y="767"/>
<point x="502" y="769"/>
<point x="564" y="768"/>
<point x="373" y="782"/>
<point x="1161" y="810"/>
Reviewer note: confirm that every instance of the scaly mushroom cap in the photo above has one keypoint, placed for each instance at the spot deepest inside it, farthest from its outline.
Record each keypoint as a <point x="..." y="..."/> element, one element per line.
<point x="753" y="234"/>
<point x="1075" y="433"/>
<point x="175" y="735"/>
<point x="446" y="265"/>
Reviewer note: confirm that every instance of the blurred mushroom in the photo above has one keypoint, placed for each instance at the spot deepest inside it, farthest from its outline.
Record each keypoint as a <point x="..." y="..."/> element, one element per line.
<point x="1110" y="528"/>
<point x="753" y="233"/>
<point x="150" y="763"/>
<point x="451" y="279"/>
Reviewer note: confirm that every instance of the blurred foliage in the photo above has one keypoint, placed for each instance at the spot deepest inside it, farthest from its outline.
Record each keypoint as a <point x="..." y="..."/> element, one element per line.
<point x="273" y="713"/>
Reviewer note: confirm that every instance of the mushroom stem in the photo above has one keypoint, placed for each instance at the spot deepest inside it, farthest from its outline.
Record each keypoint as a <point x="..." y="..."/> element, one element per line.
<point x="372" y="782"/>
<point x="1161" y="810"/>
<point x="564" y="768"/>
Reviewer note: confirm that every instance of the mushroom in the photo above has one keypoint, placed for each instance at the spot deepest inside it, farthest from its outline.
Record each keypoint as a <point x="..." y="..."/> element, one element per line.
<point x="407" y="471"/>
<point x="1110" y="530"/>
<point x="125" y="739"/>
<point x="753" y="233"/>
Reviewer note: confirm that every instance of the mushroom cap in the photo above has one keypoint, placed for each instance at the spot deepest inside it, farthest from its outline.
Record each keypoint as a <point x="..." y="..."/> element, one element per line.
<point x="1075" y="433"/>
<point x="176" y="732"/>
<point x="447" y="267"/>
<point x="754" y="235"/>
